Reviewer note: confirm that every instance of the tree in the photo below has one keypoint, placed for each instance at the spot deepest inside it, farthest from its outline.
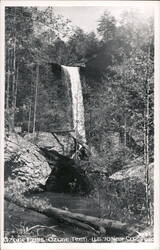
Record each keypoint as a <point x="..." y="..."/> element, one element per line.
<point x="107" y="27"/>
<point x="81" y="46"/>
<point x="17" y="20"/>
<point x="35" y="103"/>
<point x="26" y="46"/>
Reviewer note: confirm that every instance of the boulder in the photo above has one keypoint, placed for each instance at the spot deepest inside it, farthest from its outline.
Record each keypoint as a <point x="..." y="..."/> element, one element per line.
<point x="26" y="168"/>
<point x="133" y="173"/>
<point x="128" y="189"/>
<point x="61" y="142"/>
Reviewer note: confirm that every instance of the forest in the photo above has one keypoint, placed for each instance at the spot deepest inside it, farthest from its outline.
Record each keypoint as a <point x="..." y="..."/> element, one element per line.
<point x="48" y="170"/>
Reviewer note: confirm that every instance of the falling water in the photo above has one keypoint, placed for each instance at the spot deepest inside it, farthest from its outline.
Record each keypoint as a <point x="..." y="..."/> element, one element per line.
<point x="72" y="75"/>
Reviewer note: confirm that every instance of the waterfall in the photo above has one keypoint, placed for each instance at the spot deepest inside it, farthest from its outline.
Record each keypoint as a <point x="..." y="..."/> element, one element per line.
<point x="72" y="76"/>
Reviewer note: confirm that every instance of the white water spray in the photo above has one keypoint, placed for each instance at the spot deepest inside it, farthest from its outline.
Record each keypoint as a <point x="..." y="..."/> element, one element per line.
<point x="72" y="74"/>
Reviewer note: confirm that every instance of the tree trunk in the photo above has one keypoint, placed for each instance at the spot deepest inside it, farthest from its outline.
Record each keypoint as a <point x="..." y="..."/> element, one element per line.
<point x="93" y="224"/>
<point x="35" y="103"/>
<point x="125" y="103"/>
<point x="30" y="106"/>
<point x="29" y="117"/>
<point x="8" y="79"/>
<point x="14" y="82"/>
<point x="15" y="95"/>
<point x="125" y="132"/>
<point x="146" y="144"/>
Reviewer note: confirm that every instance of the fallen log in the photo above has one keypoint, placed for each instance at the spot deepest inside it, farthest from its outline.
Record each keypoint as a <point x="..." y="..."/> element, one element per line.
<point x="95" y="225"/>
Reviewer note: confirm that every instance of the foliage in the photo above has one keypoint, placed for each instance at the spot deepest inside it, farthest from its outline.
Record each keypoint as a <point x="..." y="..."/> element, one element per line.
<point x="118" y="86"/>
<point x="107" y="26"/>
<point x="119" y="91"/>
<point x="121" y="199"/>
